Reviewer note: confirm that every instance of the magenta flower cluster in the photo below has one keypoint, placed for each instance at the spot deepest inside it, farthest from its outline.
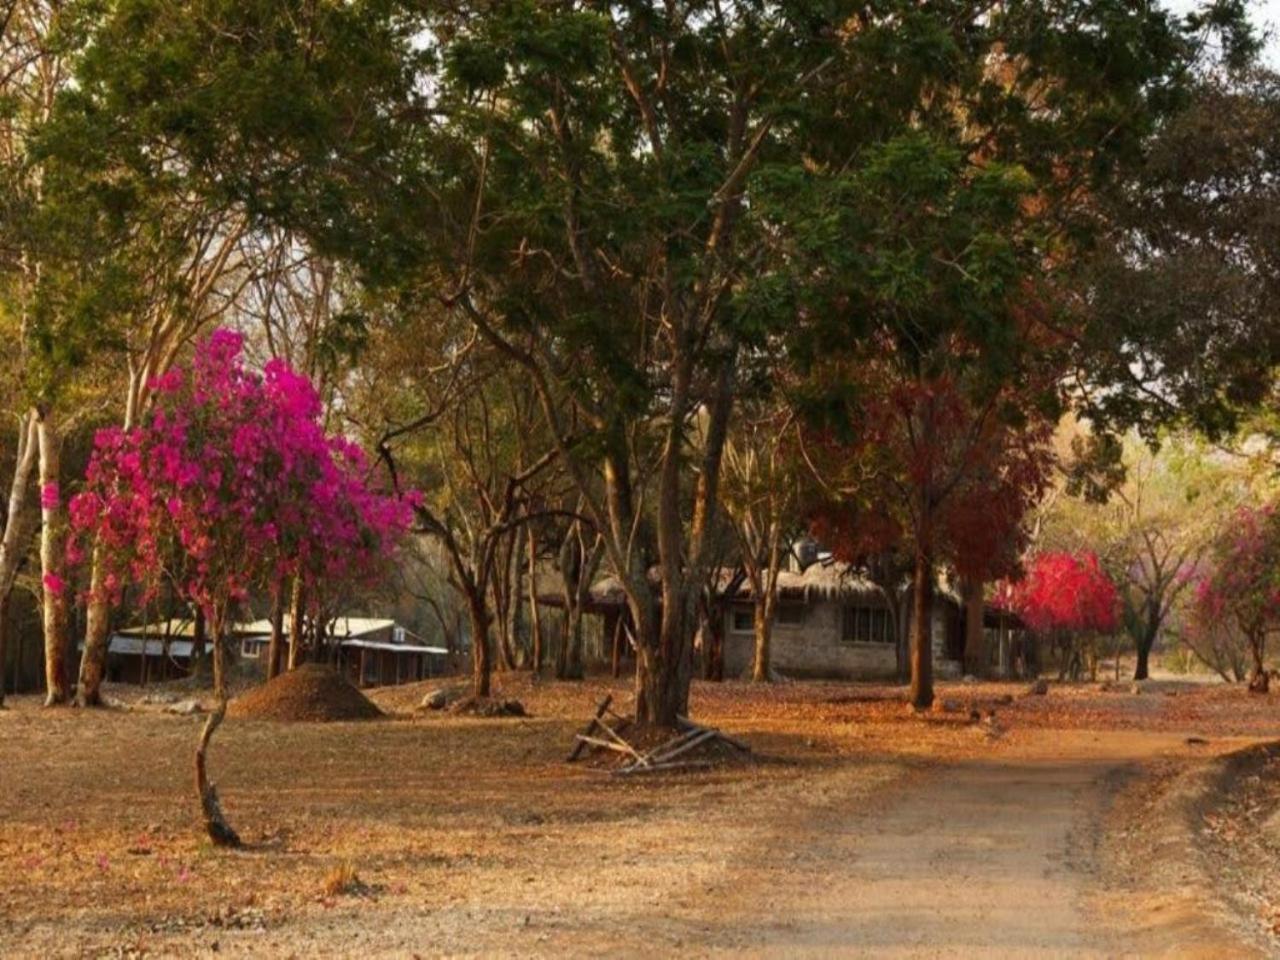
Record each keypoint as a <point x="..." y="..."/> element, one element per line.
<point x="1241" y="579"/>
<point x="230" y="485"/>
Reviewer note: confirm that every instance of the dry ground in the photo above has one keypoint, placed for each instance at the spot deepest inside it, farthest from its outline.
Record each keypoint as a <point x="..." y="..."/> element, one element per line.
<point x="1054" y="831"/>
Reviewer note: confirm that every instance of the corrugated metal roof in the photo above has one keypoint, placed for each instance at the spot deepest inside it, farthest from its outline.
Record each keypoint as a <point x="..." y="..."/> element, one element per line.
<point x="342" y="627"/>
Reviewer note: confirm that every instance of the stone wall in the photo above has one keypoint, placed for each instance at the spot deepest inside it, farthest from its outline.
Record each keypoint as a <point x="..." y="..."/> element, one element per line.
<point x="814" y="648"/>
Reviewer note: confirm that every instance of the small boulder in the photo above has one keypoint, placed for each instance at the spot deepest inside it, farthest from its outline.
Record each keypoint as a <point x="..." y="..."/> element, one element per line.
<point x="1038" y="689"/>
<point x="436" y="699"/>
<point x="185" y="708"/>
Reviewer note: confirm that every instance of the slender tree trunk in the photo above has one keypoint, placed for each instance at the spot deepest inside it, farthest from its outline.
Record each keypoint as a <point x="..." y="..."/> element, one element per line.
<point x="93" y="661"/>
<point x="713" y="641"/>
<point x="481" y="663"/>
<point x="975" y="636"/>
<point x="275" y="646"/>
<point x="199" y="632"/>
<point x="616" y="658"/>
<point x="535" y="611"/>
<point x="296" y="617"/>
<point x="569" y="656"/>
<point x="215" y="823"/>
<point x="20" y="521"/>
<point x="499" y="588"/>
<point x="4" y="636"/>
<point x="762" y="620"/>
<point x="52" y="558"/>
<point x="1145" y="643"/>
<point x="922" y="632"/>
<point x="1259" y="679"/>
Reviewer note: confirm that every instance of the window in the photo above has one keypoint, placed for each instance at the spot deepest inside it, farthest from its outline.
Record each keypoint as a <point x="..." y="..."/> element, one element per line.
<point x="743" y="620"/>
<point x="250" y="648"/>
<point x="865" y="624"/>
<point x="790" y="614"/>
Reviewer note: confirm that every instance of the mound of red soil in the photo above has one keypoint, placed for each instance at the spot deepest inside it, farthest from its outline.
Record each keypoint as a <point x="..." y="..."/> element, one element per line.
<point x="313" y="692"/>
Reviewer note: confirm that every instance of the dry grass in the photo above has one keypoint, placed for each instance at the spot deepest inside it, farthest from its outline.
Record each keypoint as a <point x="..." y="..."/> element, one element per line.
<point x="472" y="828"/>
<point x="341" y="880"/>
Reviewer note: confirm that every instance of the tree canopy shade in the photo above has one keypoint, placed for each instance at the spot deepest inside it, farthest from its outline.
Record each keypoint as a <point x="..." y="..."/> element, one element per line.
<point x="633" y="202"/>
<point x="1180" y="323"/>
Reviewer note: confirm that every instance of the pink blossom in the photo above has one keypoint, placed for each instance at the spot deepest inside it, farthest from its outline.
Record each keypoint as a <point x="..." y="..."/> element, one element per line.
<point x="53" y="583"/>
<point x="231" y="484"/>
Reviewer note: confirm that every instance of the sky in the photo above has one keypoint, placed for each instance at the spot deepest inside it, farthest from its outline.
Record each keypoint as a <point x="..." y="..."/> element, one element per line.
<point x="1266" y="13"/>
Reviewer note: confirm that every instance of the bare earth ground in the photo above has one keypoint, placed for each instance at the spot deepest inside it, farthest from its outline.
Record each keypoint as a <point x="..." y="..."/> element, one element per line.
<point x="1073" y="825"/>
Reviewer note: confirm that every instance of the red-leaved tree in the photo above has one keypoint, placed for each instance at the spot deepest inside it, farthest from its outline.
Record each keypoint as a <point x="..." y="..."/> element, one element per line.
<point x="936" y="477"/>
<point x="1065" y="596"/>
<point x="228" y="487"/>
<point x="1066" y="591"/>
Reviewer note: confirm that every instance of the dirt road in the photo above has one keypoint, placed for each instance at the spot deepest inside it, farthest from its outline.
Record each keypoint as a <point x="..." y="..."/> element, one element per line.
<point x="997" y="857"/>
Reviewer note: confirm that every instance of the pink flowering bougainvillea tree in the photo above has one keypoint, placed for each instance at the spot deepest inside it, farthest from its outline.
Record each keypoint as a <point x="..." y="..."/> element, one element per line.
<point x="1067" y="596"/>
<point x="229" y="487"/>
<point x="1237" y="597"/>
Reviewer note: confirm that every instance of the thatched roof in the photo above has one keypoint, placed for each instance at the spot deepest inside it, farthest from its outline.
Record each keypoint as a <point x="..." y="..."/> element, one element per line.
<point x="827" y="580"/>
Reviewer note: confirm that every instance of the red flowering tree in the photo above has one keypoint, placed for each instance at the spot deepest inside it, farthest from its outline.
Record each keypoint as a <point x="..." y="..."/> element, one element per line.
<point x="1066" y="596"/>
<point x="1066" y="592"/>
<point x="230" y="486"/>
<point x="935" y="476"/>
<point x="1236" y="599"/>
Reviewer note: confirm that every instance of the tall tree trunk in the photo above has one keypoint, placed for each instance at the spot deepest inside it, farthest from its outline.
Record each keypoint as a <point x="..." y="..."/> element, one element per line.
<point x="762" y="621"/>
<point x="1146" y="641"/>
<point x="4" y="636"/>
<point x="296" y="617"/>
<point x="499" y="590"/>
<point x="975" y="635"/>
<point x="664" y="663"/>
<point x="1259" y="679"/>
<point x="922" y="631"/>
<point x="535" y="612"/>
<point x="20" y="519"/>
<point x="93" y="661"/>
<point x="615" y="659"/>
<point x="569" y="656"/>
<point x="481" y="663"/>
<point x="215" y="823"/>
<point x="52" y="560"/>
<point x="713" y="640"/>
<point x="275" y="646"/>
